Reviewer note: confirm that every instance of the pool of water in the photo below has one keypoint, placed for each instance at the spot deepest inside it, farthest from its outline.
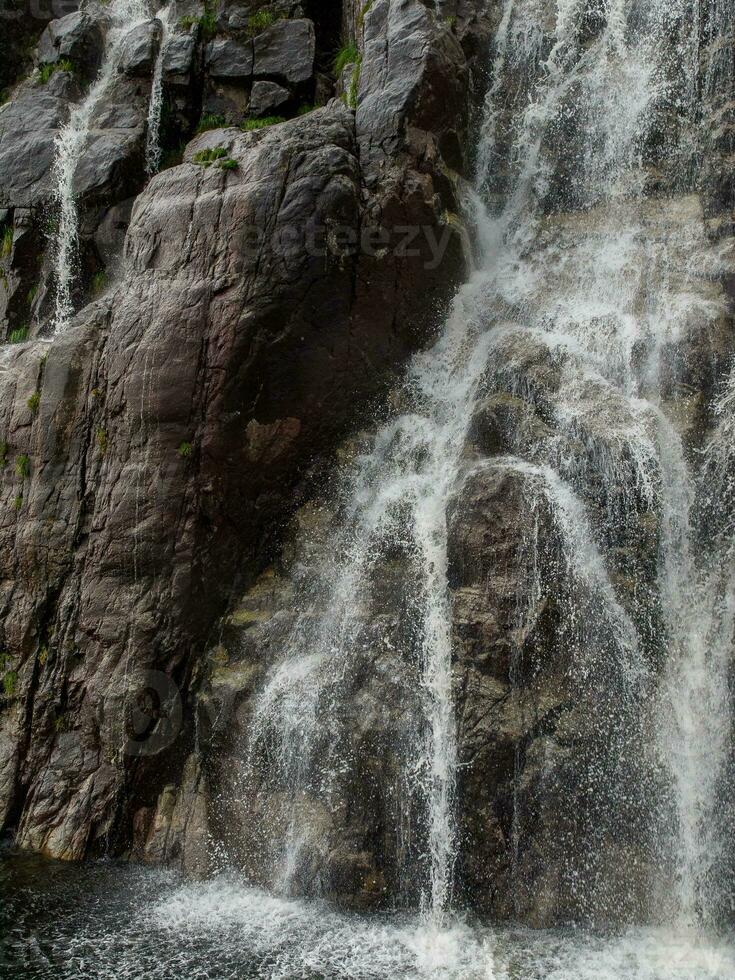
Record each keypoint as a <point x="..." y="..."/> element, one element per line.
<point x="107" y="921"/>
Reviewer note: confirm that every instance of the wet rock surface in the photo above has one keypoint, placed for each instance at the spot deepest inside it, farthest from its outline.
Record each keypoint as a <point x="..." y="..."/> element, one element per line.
<point x="152" y="447"/>
<point x="552" y="789"/>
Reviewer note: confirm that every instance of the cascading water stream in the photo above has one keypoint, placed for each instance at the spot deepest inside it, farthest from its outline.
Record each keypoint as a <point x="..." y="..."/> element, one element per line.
<point x="584" y="270"/>
<point x="124" y="15"/>
<point x="400" y="491"/>
<point x="155" y="108"/>
<point x="621" y="303"/>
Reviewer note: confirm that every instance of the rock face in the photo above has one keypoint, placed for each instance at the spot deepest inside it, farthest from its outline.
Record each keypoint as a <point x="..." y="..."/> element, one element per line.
<point x="78" y="37"/>
<point x="21" y="33"/>
<point x="140" y="49"/>
<point x="71" y="52"/>
<point x="152" y="448"/>
<point x="268" y="98"/>
<point x="286" y="51"/>
<point x="227" y="58"/>
<point x="554" y="777"/>
<point x="178" y="59"/>
<point x="111" y="167"/>
<point x="239" y="69"/>
<point x="30" y="123"/>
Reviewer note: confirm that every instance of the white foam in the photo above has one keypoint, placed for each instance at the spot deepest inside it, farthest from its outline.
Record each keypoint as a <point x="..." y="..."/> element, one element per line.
<point x="223" y="929"/>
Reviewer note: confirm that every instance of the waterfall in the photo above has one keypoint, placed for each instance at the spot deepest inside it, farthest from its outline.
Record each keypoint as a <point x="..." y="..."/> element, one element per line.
<point x="595" y="261"/>
<point x="396" y="498"/>
<point x="124" y="15"/>
<point x="696" y="722"/>
<point x="153" y="144"/>
<point x="613" y="297"/>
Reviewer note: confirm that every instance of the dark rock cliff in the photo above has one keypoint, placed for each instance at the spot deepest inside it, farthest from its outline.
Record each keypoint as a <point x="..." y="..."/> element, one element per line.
<point x="233" y="324"/>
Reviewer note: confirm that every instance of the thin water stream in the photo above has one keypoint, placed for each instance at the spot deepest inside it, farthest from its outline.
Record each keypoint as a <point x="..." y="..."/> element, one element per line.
<point x="124" y="16"/>
<point x="155" y="108"/>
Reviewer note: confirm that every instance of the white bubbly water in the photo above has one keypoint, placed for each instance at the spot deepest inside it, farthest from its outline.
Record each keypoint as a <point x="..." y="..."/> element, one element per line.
<point x="221" y="929"/>
<point x="153" y="136"/>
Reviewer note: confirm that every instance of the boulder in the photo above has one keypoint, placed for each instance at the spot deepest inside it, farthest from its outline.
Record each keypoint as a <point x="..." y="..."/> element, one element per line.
<point x="413" y="85"/>
<point x="106" y="169"/>
<point x="28" y="127"/>
<point x="286" y="51"/>
<point x="111" y="165"/>
<point x="229" y="59"/>
<point x="178" y="59"/>
<point x="78" y="36"/>
<point x="140" y="48"/>
<point x="267" y="98"/>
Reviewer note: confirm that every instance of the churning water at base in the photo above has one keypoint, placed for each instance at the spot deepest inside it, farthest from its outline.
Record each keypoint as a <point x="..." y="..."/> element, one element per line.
<point x="104" y="922"/>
